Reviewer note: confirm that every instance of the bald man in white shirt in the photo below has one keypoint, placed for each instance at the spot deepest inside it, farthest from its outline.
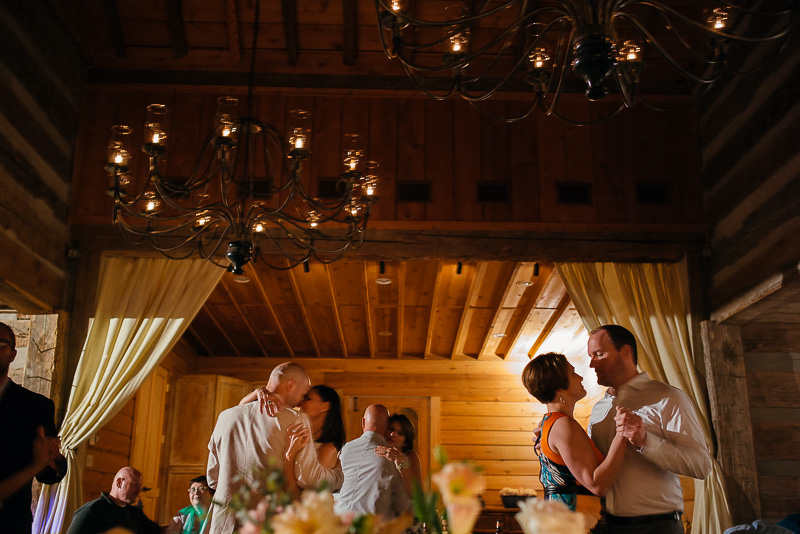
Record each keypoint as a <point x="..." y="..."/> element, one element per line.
<point x="245" y="443"/>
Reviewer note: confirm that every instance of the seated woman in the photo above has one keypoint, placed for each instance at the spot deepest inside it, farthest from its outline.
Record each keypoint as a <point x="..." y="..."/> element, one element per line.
<point x="323" y="408"/>
<point x="192" y="519"/>
<point x="400" y="449"/>
<point x="571" y="463"/>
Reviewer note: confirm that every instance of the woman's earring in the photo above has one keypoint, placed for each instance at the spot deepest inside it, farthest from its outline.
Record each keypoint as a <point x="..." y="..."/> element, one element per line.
<point x="561" y="399"/>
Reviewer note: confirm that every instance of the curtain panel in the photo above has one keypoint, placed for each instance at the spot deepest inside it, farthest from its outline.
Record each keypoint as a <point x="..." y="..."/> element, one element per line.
<point x="651" y="300"/>
<point x="143" y="307"/>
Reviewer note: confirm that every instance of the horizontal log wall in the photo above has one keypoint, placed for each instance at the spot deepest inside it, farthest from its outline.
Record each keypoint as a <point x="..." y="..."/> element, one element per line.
<point x="773" y="386"/>
<point x="751" y="175"/>
<point x="39" y="104"/>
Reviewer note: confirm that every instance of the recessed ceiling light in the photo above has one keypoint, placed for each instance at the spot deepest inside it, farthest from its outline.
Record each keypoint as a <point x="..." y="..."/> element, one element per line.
<point x="498" y="335"/>
<point x="384" y="333"/>
<point x="241" y="279"/>
<point x="524" y="283"/>
<point x="383" y="281"/>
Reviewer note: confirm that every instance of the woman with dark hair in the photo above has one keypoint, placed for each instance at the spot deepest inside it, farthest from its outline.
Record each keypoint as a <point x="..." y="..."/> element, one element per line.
<point x="323" y="408"/>
<point x="400" y="437"/>
<point x="571" y="463"/>
<point x="193" y="518"/>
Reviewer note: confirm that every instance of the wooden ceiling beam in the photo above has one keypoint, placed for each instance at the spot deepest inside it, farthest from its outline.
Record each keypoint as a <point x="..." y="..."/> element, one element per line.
<point x="368" y="312"/>
<point x="350" y="32"/>
<point x="290" y="32"/>
<point x="245" y="317"/>
<point x="268" y="303"/>
<point x="303" y="311"/>
<point x="472" y="298"/>
<point x="431" y="324"/>
<point x="335" y="309"/>
<point x="541" y="315"/>
<point x="177" y="33"/>
<point x="115" y="27"/>
<point x="505" y="308"/>
<point x="401" y="305"/>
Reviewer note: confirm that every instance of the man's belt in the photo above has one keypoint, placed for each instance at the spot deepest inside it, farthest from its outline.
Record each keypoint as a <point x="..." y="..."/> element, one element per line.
<point x="642" y="519"/>
<point x="562" y="490"/>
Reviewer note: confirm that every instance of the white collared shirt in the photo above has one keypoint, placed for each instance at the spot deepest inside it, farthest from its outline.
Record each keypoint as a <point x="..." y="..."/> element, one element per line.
<point x="648" y="481"/>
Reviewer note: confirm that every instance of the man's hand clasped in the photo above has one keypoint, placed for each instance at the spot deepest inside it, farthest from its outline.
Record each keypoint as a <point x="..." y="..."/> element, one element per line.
<point x="630" y="426"/>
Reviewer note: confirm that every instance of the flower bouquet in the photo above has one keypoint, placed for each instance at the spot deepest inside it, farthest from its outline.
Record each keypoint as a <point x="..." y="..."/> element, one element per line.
<point x="263" y="506"/>
<point x="540" y="516"/>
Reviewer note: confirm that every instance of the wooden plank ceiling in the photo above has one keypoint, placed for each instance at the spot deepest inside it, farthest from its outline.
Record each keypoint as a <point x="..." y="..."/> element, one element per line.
<point x="393" y="309"/>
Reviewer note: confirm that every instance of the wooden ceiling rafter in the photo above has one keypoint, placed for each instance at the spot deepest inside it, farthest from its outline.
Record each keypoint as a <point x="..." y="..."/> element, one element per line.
<point x="435" y="299"/>
<point x="246" y="317"/>
<point x="271" y="308"/>
<point x="551" y="323"/>
<point x="115" y="27"/>
<point x="177" y="32"/>
<point x="543" y="312"/>
<point x="466" y="313"/>
<point x="290" y="31"/>
<point x="303" y="310"/>
<point x="232" y="25"/>
<point x="401" y="306"/>
<point x="224" y="331"/>
<point x="505" y="308"/>
<point x="526" y="309"/>
<point x="368" y="312"/>
<point x="335" y="310"/>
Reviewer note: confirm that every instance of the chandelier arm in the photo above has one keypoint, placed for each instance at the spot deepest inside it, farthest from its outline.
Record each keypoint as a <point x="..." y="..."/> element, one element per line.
<point x="763" y="65"/>
<point x="563" y="74"/>
<point x="419" y="87"/>
<point x="668" y="57"/>
<point x="663" y="8"/>
<point x="531" y="108"/>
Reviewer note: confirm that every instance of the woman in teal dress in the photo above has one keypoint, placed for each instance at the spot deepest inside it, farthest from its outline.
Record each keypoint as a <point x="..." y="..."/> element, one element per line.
<point x="571" y="463"/>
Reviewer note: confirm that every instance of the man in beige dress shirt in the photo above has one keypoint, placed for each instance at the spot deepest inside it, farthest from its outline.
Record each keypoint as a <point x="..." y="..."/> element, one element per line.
<point x="246" y="442"/>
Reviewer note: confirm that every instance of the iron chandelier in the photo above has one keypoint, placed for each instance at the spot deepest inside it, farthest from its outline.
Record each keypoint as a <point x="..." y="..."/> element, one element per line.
<point x="549" y="47"/>
<point x="245" y="194"/>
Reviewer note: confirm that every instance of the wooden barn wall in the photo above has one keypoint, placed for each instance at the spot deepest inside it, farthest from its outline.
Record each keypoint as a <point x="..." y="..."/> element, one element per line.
<point x="751" y="176"/>
<point x="773" y="386"/>
<point x="39" y="105"/>
<point x="631" y="179"/>
<point x="486" y="413"/>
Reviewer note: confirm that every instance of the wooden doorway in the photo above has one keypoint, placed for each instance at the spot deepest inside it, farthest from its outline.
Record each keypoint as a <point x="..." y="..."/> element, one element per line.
<point x="422" y="411"/>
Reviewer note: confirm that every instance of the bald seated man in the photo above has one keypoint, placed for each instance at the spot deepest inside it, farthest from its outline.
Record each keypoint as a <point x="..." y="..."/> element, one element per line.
<point x="117" y="508"/>
<point x="246" y="443"/>
<point x="372" y="484"/>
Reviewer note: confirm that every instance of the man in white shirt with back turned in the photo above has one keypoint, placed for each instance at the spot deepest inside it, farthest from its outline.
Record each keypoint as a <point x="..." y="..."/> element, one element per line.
<point x="372" y="484"/>
<point x="665" y="435"/>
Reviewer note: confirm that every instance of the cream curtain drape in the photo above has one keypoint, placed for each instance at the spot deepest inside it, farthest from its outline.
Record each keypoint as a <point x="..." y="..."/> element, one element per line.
<point x="650" y="300"/>
<point x="143" y="306"/>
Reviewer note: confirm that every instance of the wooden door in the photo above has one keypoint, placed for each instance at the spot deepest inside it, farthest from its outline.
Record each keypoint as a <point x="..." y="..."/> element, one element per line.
<point x="422" y="411"/>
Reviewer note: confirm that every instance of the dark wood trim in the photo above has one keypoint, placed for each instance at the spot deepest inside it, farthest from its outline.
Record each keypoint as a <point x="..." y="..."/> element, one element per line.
<point x="289" y="11"/>
<point x="176" y="30"/>
<point x="350" y="32"/>
<point x="115" y="27"/>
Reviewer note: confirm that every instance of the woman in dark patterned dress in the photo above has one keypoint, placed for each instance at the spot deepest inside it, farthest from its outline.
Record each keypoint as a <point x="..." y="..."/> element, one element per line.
<point x="571" y="462"/>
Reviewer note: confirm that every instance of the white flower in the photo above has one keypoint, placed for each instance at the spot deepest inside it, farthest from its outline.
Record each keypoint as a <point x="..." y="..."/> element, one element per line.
<point x="461" y="516"/>
<point x="458" y="482"/>
<point x="538" y="516"/>
<point x="312" y="515"/>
